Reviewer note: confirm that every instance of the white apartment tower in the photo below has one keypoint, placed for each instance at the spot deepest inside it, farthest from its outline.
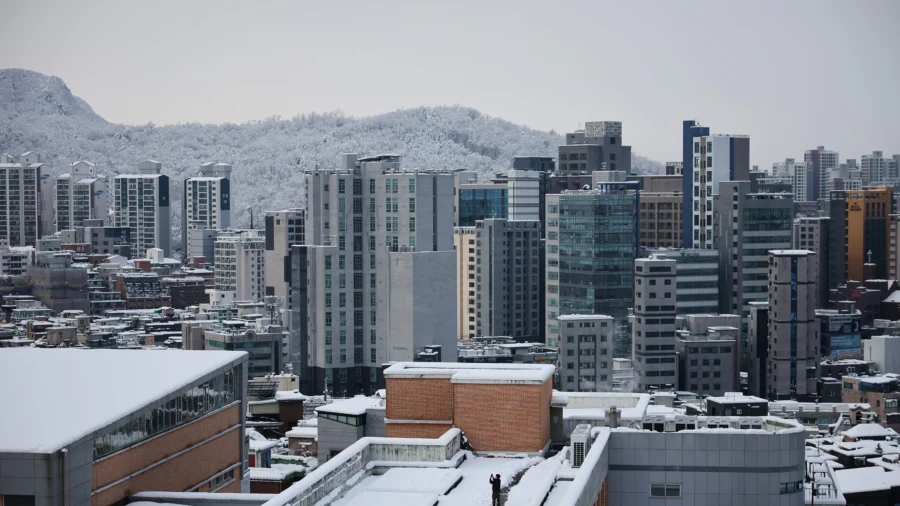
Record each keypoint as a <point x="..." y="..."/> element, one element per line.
<point x="20" y="199"/>
<point x="821" y="162"/>
<point x="716" y="158"/>
<point x="802" y="181"/>
<point x="141" y="203"/>
<point x="653" y="324"/>
<point x="283" y="229"/>
<point x="875" y="169"/>
<point x="586" y="353"/>
<point x="81" y="194"/>
<point x="240" y="264"/>
<point x="792" y="363"/>
<point x="206" y="204"/>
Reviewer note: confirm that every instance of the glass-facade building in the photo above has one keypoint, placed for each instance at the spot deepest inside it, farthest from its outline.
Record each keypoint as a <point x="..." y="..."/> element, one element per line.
<point x="481" y="202"/>
<point x="591" y="247"/>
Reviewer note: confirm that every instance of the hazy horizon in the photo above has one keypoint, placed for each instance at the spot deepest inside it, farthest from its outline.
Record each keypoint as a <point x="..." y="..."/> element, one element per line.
<point x="792" y="76"/>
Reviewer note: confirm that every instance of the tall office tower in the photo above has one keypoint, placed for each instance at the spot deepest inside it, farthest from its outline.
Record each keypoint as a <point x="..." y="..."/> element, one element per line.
<point x="206" y="204"/>
<point x="20" y="199"/>
<point x="758" y="347"/>
<point x="391" y="261"/>
<point x="585" y="353"/>
<point x="524" y="195"/>
<point x="507" y="279"/>
<point x="792" y="367"/>
<point x="674" y="168"/>
<point x="859" y="233"/>
<point x="283" y="230"/>
<point x="591" y="246"/>
<point x="477" y="201"/>
<point x="820" y="162"/>
<point x="801" y="177"/>
<point x="716" y="158"/>
<point x="749" y="225"/>
<point x="875" y="169"/>
<point x="893" y="267"/>
<point x="141" y="203"/>
<point x="696" y="279"/>
<point x="596" y="148"/>
<point x="81" y="194"/>
<point x="464" y="244"/>
<point x="660" y="219"/>
<point x="689" y="130"/>
<point x="240" y="264"/>
<point x="654" y="324"/>
<point x="813" y="233"/>
<point x="545" y="167"/>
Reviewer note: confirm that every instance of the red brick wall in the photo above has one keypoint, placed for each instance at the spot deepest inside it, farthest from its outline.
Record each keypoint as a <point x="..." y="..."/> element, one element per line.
<point x="419" y="399"/>
<point x="266" y="487"/>
<point x="177" y="474"/>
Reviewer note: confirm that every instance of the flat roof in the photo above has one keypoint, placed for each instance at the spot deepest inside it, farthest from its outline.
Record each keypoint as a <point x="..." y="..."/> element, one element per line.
<point x="866" y="479"/>
<point x="54" y="397"/>
<point x="462" y="372"/>
<point x="353" y="407"/>
<point x="736" y="399"/>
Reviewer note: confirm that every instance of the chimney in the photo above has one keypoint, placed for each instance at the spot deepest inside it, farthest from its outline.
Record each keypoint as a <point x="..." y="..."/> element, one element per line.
<point x="612" y="417"/>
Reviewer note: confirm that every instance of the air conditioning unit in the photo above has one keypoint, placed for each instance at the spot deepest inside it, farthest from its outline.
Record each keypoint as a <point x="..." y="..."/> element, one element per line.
<point x="580" y="443"/>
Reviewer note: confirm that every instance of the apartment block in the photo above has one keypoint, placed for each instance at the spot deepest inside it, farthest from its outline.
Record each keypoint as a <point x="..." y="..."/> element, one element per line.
<point x="507" y="279"/>
<point x="716" y="158"/>
<point x="654" y="357"/>
<point x="749" y="226"/>
<point x="696" y="279"/>
<point x="801" y="177"/>
<point x="820" y="162"/>
<point x="792" y="366"/>
<point x="81" y="194"/>
<point x="591" y="247"/>
<point x="859" y="233"/>
<point x="240" y="264"/>
<point x="20" y="199"/>
<point x="585" y="353"/>
<point x="283" y="230"/>
<point x="877" y="170"/>
<point x="15" y="261"/>
<point x="206" y="204"/>
<point x="813" y="233"/>
<point x="141" y="203"/>
<point x="464" y="245"/>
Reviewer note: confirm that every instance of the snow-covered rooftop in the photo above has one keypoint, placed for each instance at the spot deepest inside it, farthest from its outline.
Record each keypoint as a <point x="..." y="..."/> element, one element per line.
<point x="57" y="396"/>
<point x="352" y="407"/>
<point x="869" y="430"/>
<point x="736" y="398"/>
<point x="866" y="479"/>
<point x="305" y="432"/>
<point x="460" y="372"/>
<point x="283" y="395"/>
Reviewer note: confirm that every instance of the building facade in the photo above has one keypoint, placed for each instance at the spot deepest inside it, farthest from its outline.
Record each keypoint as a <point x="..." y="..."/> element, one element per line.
<point x="141" y="203"/>
<point x="20" y="199"/>
<point x="591" y="247"/>
<point x="81" y="194"/>
<point x="283" y="230"/>
<point x="240" y="264"/>
<point x="206" y="204"/>
<point x="820" y="162"/>
<point x="464" y="245"/>
<point x="661" y="212"/>
<point x="696" y="279"/>
<point x="654" y="357"/>
<point x="598" y="147"/>
<point x="813" y="233"/>
<point x="859" y="233"/>
<point x="792" y="365"/>
<point x="585" y="353"/>
<point x="478" y="201"/>
<point x="715" y="159"/>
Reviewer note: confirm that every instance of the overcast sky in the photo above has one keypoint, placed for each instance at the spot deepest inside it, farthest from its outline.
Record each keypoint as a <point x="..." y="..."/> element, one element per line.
<point x="792" y="75"/>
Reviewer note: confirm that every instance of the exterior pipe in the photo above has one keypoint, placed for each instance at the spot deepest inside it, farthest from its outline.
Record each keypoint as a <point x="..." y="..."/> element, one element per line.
<point x="65" y="484"/>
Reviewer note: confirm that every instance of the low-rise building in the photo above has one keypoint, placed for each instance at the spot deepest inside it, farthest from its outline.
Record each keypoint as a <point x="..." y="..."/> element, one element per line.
<point x="882" y="393"/>
<point x="736" y="404"/>
<point x="344" y="422"/>
<point x="585" y="351"/>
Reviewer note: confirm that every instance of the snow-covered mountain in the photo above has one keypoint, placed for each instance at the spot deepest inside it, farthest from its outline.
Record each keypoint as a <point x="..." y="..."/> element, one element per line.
<point x="39" y="113"/>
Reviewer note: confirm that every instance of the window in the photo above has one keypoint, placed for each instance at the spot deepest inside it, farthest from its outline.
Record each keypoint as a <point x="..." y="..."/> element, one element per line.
<point x="665" y="490"/>
<point x="412" y="204"/>
<point x="328" y="338"/>
<point x="342" y="186"/>
<point x="412" y="224"/>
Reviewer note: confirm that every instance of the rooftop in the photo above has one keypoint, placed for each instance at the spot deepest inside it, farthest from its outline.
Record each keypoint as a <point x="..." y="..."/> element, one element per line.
<point x="735" y="398"/>
<point x="866" y="479"/>
<point x="460" y="372"/>
<point x="81" y="384"/>
<point x="353" y="407"/>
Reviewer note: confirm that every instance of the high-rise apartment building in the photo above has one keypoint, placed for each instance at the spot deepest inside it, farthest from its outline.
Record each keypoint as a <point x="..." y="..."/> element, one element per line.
<point x="792" y="367"/>
<point x="591" y="247"/>
<point x="716" y="158"/>
<point x="206" y="204"/>
<point x="696" y="279"/>
<point x="81" y="194"/>
<point x="283" y="230"/>
<point x="585" y="353"/>
<point x="893" y="267"/>
<point x="240" y="264"/>
<point x="653" y="324"/>
<point x="598" y="147"/>
<point x="660" y="219"/>
<point x="378" y="267"/>
<point x="689" y="130"/>
<point x="859" y="233"/>
<point x="141" y="203"/>
<point x="749" y="225"/>
<point x="801" y="177"/>
<point x="813" y="233"/>
<point x="875" y="169"/>
<point x="20" y="199"/>
<point x="464" y="245"/>
<point x="820" y="163"/>
<point x="507" y="278"/>
<point x="524" y="195"/>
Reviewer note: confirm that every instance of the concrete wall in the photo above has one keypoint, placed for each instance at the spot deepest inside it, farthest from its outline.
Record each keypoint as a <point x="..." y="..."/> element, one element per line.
<point x="335" y="437"/>
<point x="713" y="469"/>
<point x="40" y="475"/>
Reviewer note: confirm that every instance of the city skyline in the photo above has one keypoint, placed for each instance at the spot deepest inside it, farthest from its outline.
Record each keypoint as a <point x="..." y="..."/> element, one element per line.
<point x="212" y="73"/>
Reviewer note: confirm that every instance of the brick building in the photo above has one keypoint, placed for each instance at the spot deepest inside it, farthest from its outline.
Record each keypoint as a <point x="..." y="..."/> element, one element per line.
<point x="882" y="393"/>
<point x="424" y="400"/>
<point x="102" y="441"/>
